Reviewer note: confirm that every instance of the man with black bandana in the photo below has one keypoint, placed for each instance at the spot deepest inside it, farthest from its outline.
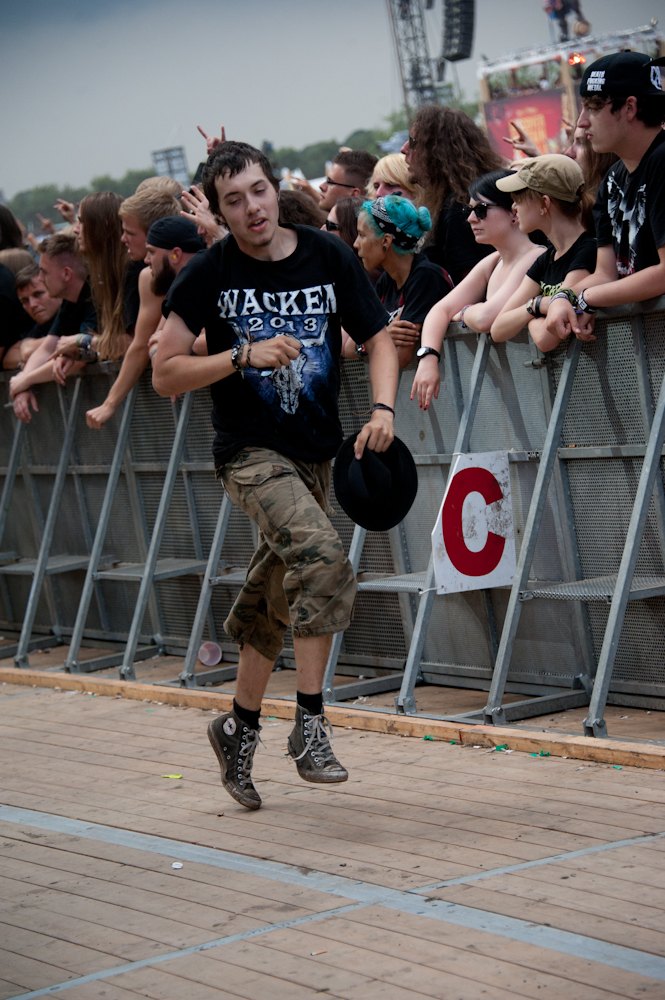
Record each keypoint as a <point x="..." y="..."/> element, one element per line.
<point x="170" y="245"/>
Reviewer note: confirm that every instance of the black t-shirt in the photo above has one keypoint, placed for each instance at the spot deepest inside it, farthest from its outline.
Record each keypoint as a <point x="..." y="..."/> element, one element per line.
<point x="630" y="210"/>
<point x="130" y="294"/>
<point x="453" y="245"/>
<point x="14" y="320"/>
<point x="550" y="273"/>
<point x="307" y="295"/>
<point x="425" y="285"/>
<point x="76" y="317"/>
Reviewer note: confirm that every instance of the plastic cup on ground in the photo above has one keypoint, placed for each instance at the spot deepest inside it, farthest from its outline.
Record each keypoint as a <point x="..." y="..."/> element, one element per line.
<point x="210" y="654"/>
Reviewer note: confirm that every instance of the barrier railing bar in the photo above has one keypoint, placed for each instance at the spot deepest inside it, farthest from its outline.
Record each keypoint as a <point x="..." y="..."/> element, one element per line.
<point x="646" y="407"/>
<point x="194" y="524"/>
<point x="187" y="676"/>
<point x="71" y="663"/>
<point x="494" y="713"/>
<point x="405" y="702"/>
<point x="355" y="552"/>
<point x="127" y="668"/>
<point x="21" y="659"/>
<point x="141" y="531"/>
<point x="595" y="724"/>
<point x="84" y="518"/>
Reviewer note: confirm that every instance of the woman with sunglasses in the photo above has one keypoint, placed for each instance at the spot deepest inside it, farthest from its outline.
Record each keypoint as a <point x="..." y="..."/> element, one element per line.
<point x="389" y="230"/>
<point x="479" y="297"/>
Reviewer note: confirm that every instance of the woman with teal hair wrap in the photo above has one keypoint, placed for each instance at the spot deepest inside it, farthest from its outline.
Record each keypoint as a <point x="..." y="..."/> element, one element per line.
<point x="389" y="230"/>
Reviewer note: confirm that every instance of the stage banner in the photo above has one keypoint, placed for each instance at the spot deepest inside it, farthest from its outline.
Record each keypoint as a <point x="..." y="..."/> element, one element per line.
<point x="473" y="541"/>
<point x="540" y="115"/>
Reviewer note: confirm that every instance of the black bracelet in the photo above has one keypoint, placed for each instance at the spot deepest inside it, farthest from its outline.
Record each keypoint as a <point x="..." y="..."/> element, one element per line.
<point x="584" y="305"/>
<point x="248" y="363"/>
<point x="382" y="406"/>
<point x="536" y="306"/>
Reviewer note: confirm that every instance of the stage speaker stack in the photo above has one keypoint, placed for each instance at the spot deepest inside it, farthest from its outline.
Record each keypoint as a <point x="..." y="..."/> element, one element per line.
<point x="458" y="18"/>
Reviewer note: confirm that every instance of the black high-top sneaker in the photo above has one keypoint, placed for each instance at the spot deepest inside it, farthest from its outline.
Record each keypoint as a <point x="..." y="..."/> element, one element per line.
<point x="234" y="742"/>
<point x="310" y="746"/>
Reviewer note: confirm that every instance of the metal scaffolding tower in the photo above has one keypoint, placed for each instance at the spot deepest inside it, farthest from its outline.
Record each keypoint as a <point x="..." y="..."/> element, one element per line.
<point x="413" y="58"/>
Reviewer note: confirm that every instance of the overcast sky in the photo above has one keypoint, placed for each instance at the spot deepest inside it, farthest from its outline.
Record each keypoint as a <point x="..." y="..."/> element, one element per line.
<point x="92" y="86"/>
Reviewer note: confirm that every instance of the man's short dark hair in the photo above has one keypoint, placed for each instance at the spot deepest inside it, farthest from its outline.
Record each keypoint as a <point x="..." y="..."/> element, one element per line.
<point x="650" y="109"/>
<point x="232" y="158"/>
<point x="358" y="166"/>
<point x="25" y="276"/>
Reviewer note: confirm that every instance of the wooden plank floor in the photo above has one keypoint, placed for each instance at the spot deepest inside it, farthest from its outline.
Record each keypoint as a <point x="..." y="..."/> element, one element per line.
<point x="412" y="813"/>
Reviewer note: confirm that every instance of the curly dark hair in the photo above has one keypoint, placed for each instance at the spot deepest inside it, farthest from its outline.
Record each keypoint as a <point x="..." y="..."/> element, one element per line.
<point x="299" y="209"/>
<point x="231" y="158"/>
<point x="454" y="153"/>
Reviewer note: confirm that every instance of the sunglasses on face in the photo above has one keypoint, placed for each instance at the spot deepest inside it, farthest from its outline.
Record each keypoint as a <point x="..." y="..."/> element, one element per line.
<point x="338" y="184"/>
<point x="332" y="227"/>
<point x="480" y="210"/>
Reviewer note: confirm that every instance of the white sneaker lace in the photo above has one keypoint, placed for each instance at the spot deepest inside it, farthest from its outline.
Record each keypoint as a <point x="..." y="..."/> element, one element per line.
<point x="248" y="744"/>
<point x="319" y="738"/>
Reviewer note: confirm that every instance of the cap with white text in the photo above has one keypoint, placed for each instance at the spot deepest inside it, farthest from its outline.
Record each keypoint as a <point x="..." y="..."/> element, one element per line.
<point x="623" y="74"/>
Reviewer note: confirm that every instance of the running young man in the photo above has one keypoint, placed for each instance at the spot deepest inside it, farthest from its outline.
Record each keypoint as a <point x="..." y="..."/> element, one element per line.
<point x="271" y="299"/>
<point x="623" y="107"/>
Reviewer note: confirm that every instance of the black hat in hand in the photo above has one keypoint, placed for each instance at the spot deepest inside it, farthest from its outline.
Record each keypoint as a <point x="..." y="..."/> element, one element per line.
<point x="377" y="491"/>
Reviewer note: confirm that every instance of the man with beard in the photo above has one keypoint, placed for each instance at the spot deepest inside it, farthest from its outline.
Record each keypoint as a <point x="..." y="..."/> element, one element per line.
<point x="142" y="308"/>
<point x="170" y="244"/>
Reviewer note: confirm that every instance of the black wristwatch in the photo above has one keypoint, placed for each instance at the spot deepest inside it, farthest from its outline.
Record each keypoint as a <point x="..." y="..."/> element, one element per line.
<point x="422" y="352"/>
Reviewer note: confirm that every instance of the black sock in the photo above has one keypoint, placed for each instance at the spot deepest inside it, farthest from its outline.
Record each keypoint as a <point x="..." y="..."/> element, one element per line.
<point x="312" y="703"/>
<point x="248" y="717"/>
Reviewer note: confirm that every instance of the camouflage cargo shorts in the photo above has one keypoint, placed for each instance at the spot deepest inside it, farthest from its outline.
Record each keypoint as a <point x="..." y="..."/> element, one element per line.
<point x="299" y="574"/>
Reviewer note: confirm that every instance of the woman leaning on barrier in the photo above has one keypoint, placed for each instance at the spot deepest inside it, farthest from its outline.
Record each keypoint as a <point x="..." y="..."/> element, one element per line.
<point x="550" y="196"/>
<point x="389" y="230"/>
<point x="98" y="232"/>
<point x="479" y="297"/>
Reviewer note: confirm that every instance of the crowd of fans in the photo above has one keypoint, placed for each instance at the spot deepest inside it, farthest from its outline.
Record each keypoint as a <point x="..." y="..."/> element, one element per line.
<point x="446" y="229"/>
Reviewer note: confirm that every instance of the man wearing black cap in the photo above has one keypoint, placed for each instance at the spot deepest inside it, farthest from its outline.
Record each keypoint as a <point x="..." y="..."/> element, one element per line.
<point x="170" y="243"/>
<point x="623" y="107"/>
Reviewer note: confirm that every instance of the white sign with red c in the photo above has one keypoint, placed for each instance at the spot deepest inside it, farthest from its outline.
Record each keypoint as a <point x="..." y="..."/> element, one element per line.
<point x="473" y="541"/>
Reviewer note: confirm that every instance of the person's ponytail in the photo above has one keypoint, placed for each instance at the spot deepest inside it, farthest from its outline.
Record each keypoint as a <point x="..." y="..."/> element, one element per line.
<point x="586" y="208"/>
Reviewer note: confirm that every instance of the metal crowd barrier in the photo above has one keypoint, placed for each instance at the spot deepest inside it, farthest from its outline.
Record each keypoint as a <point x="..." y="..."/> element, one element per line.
<point x="124" y="540"/>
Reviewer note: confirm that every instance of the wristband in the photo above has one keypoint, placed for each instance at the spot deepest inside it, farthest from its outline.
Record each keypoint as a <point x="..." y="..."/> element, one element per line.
<point x="361" y="350"/>
<point x="584" y="305"/>
<point x="461" y="314"/>
<point x="382" y="406"/>
<point x="236" y="350"/>
<point x="566" y="293"/>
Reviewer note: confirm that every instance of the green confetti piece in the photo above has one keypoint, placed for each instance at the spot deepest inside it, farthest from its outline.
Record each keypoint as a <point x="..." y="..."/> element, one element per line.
<point x="616" y="767"/>
<point x="534" y="754"/>
<point x="150" y="710"/>
<point x="428" y="738"/>
<point x="504" y="746"/>
<point x="271" y="717"/>
<point x="171" y="776"/>
<point x="454" y="742"/>
<point x="544" y="753"/>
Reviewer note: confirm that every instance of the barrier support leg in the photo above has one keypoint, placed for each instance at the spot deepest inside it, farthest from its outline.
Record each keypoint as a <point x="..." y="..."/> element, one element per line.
<point x="10" y="478"/>
<point x="595" y="724"/>
<point x="21" y="658"/>
<point x="127" y="668"/>
<point x="493" y="712"/>
<point x="71" y="663"/>
<point x="187" y="676"/>
<point x="355" y="552"/>
<point x="405" y="702"/>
